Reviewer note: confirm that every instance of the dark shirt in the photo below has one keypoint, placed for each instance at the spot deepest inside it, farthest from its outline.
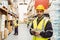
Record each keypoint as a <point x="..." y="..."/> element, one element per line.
<point x="45" y="33"/>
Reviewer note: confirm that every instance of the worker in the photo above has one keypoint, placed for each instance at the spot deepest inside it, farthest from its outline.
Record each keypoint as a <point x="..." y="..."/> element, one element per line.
<point x="41" y="27"/>
<point x="16" y="28"/>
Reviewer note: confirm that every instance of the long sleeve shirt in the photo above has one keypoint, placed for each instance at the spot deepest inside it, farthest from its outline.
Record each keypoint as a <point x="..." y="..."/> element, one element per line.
<point x="48" y="31"/>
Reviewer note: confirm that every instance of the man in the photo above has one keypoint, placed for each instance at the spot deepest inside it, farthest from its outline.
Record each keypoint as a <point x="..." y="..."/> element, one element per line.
<point x="41" y="27"/>
<point x="16" y="27"/>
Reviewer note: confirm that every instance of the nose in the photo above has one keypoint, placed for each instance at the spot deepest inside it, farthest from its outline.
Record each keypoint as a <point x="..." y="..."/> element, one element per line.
<point x="39" y="12"/>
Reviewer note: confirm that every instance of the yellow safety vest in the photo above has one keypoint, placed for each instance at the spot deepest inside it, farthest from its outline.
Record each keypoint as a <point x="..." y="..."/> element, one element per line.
<point x="15" y="24"/>
<point x="39" y="26"/>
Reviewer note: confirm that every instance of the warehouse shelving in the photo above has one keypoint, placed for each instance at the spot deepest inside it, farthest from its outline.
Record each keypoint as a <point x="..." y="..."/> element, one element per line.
<point x="6" y="12"/>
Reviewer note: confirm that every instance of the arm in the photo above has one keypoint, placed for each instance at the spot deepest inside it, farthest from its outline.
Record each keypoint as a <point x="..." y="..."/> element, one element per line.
<point x="48" y="31"/>
<point x="32" y="31"/>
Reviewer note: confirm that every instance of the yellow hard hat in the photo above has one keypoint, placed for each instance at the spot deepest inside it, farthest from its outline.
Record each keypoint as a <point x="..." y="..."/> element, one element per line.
<point x="40" y="7"/>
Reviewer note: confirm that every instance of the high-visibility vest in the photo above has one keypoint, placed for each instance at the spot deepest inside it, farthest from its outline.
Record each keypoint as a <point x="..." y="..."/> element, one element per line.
<point x="15" y="24"/>
<point x="39" y="27"/>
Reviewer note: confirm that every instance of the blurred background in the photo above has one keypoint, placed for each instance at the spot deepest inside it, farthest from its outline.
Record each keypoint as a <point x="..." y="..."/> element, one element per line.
<point x="24" y="12"/>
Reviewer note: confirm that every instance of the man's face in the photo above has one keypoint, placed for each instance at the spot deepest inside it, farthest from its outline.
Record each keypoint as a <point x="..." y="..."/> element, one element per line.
<point x="40" y="12"/>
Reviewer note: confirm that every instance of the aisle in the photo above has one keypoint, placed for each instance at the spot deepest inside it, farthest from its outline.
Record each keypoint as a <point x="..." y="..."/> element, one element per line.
<point x="23" y="34"/>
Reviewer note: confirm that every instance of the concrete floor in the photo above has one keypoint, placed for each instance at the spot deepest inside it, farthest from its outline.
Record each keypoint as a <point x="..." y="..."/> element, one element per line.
<point x="23" y="34"/>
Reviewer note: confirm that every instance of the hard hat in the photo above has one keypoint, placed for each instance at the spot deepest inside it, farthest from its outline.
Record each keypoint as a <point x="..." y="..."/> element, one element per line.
<point x="40" y="7"/>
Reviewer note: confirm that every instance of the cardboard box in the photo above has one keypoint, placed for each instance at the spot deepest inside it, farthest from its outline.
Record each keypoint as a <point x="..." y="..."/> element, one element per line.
<point x="9" y="27"/>
<point x="6" y="33"/>
<point x="0" y="35"/>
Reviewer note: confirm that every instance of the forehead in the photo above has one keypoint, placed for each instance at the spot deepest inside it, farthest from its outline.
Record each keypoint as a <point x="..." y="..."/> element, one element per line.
<point x="39" y="10"/>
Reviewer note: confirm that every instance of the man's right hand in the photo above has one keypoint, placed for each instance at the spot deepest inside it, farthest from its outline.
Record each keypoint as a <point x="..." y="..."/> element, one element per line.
<point x="37" y="33"/>
<point x="33" y="31"/>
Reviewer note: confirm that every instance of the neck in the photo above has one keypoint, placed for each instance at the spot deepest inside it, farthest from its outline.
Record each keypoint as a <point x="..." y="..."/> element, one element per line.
<point x="40" y="16"/>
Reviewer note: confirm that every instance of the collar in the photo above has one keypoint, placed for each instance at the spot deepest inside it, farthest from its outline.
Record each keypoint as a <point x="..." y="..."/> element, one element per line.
<point x="40" y="18"/>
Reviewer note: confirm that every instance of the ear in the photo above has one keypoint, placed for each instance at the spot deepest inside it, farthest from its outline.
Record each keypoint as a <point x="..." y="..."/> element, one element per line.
<point x="49" y="4"/>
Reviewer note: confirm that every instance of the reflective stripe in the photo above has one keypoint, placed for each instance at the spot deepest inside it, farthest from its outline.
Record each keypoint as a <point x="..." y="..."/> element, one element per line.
<point x="49" y="30"/>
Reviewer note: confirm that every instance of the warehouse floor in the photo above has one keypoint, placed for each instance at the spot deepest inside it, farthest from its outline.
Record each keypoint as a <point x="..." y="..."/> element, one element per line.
<point x="23" y="34"/>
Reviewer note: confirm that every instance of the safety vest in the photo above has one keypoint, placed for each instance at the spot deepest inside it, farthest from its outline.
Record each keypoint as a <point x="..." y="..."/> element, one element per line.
<point x="40" y="26"/>
<point x="15" y="24"/>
